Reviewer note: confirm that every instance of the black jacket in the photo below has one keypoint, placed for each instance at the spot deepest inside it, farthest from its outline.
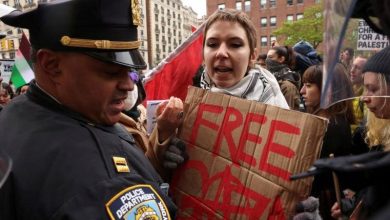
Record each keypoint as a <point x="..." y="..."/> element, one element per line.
<point x="63" y="166"/>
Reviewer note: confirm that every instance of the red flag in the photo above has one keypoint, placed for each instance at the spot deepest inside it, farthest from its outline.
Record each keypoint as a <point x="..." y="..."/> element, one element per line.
<point x="193" y="28"/>
<point x="174" y="74"/>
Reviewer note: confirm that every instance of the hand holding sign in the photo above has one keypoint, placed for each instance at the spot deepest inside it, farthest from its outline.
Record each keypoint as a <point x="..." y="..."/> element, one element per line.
<point x="169" y="117"/>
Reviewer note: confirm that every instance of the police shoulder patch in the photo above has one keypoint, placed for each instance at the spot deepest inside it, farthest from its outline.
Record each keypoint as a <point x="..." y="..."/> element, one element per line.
<point x="137" y="202"/>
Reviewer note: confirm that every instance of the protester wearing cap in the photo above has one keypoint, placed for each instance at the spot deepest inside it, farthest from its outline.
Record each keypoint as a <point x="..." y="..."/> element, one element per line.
<point x="72" y="160"/>
<point x="305" y="56"/>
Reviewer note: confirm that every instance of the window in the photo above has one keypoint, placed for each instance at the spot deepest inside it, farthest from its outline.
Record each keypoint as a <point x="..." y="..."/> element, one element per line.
<point x="221" y="6"/>
<point x="272" y="3"/>
<point x="263" y="22"/>
<point x="3" y="44"/>
<point x="263" y="3"/>
<point x="290" y="18"/>
<point x="299" y="16"/>
<point x="272" y="21"/>
<point x="239" y="6"/>
<point x="264" y="41"/>
<point x="300" y="1"/>
<point x="290" y="2"/>
<point x="247" y="5"/>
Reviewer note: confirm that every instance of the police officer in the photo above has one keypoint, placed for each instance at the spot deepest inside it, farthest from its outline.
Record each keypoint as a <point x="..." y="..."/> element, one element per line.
<point x="71" y="158"/>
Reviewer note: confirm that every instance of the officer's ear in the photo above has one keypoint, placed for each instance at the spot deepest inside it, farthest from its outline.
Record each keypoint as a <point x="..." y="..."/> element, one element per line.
<point x="48" y="62"/>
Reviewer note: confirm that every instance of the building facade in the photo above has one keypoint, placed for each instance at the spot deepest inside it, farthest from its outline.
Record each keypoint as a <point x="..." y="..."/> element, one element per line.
<point x="170" y="24"/>
<point x="10" y="43"/>
<point x="266" y="15"/>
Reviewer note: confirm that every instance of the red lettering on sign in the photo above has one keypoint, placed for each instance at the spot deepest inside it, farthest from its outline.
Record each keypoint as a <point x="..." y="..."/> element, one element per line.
<point x="227" y="128"/>
<point x="201" y="121"/>
<point x="277" y="148"/>
<point x="253" y="204"/>
<point x="277" y="211"/>
<point x="246" y="136"/>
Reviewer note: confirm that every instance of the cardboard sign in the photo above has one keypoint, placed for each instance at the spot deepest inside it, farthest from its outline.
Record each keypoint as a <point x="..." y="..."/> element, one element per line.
<point x="369" y="39"/>
<point x="6" y="69"/>
<point x="241" y="156"/>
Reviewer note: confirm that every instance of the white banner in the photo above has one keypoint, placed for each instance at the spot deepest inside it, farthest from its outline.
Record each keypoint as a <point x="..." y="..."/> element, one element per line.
<point x="6" y="69"/>
<point x="368" y="39"/>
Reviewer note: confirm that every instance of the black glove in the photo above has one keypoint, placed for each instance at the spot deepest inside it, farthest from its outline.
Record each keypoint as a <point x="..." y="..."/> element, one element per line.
<point x="175" y="154"/>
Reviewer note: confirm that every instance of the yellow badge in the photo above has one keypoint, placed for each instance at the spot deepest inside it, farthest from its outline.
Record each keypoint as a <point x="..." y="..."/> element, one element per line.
<point x="121" y="165"/>
<point x="136" y="12"/>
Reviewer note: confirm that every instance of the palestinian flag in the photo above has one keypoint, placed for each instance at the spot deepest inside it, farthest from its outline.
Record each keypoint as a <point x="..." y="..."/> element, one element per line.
<point x="22" y="72"/>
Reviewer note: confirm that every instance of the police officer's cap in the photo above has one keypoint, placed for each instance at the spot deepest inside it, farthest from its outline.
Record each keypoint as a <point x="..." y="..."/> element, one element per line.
<point x="104" y="29"/>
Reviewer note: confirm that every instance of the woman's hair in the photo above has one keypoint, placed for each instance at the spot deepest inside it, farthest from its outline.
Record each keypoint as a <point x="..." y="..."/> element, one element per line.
<point x="288" y="53"/>
<point x="261" y="56"/>
<point x="342" y="88"/>
<point x="235" y="16"/>
<point x="378" y="131"/>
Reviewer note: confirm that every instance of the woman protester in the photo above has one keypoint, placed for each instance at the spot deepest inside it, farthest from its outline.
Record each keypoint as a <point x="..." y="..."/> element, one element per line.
<point x="337" y="139"/>
<point x="229" y="53"/>
<point x="280" y="62"/>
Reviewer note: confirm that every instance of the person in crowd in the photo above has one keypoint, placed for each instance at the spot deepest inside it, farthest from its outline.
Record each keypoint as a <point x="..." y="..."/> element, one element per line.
<point x="229" y="52"/>
<point x="337" y="139"/>
<point x="22" y="89"/>
<point x="305" y="56"/>
<point x="346" y="57"/>
<point x="260" y="60"/>
<point x="71" y="157"/>
<point x="163" y="138"/>
<point x="6" y="93"/>
<point x="356" y="76"/>
<point x="280" y="60"/>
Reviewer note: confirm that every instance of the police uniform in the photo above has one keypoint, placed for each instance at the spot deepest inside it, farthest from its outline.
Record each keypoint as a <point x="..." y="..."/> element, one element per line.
<point x="65" y="167"/>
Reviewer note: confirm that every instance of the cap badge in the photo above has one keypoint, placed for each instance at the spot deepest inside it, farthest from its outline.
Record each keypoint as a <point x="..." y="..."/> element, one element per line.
<point x="136" y="12"/>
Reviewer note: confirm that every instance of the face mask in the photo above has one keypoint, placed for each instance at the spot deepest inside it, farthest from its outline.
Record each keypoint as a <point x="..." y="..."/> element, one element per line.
<point x="131" y="99"/>
<point x="273" y="65"/>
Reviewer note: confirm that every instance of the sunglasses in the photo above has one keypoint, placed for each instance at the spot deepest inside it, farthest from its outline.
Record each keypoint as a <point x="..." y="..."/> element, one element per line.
<point x="134" y="76"/>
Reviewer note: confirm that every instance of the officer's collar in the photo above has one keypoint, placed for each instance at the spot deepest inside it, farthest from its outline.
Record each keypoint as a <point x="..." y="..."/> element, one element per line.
<point x="41" y="97"/>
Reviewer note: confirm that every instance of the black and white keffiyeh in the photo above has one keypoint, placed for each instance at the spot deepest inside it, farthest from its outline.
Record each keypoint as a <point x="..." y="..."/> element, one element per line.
<point x="257" y="85"/>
